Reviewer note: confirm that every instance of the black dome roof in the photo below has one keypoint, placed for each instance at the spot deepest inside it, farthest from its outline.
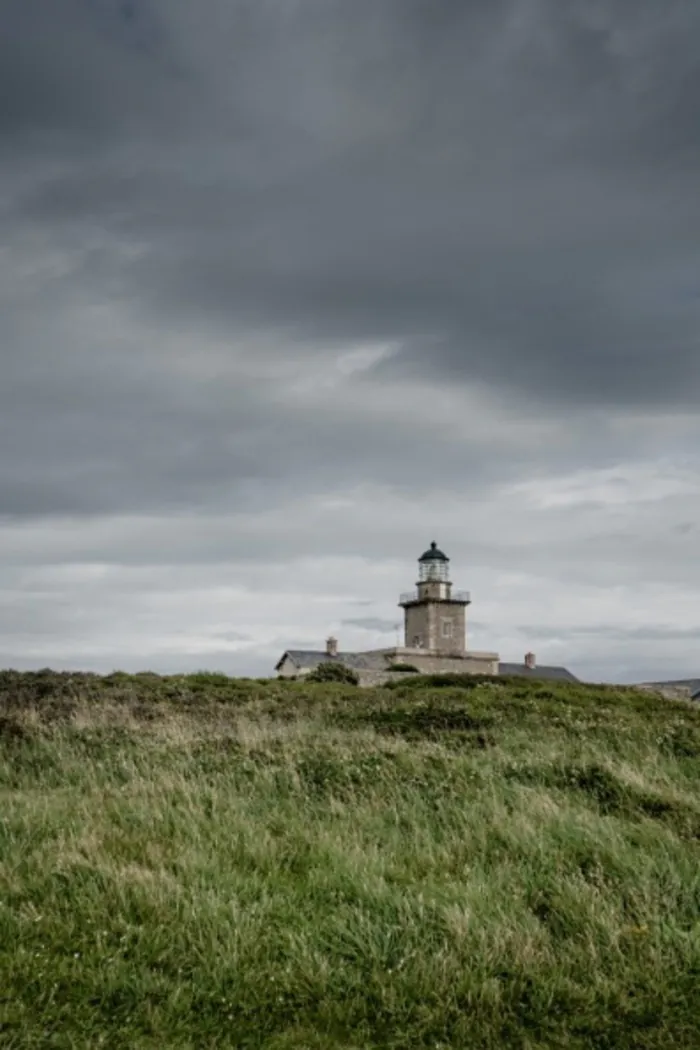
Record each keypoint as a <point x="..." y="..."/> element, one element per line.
<point x="434" y="554"/>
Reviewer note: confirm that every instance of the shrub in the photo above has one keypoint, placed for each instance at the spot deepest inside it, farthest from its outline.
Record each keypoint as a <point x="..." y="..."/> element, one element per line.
<point x="442" y="681"/>
<point x="333" y="672"/>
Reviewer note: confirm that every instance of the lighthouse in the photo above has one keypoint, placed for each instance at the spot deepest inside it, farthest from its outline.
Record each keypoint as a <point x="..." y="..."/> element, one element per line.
<point x="434" y="614"/>
<point x="435" y="639"/>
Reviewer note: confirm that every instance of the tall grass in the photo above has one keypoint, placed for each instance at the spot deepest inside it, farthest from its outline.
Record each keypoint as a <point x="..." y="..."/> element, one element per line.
<point x="203" y="862"/>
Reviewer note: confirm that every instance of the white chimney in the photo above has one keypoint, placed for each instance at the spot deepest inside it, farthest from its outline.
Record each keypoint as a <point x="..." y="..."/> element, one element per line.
<point x="332" y="647"/>
<point x="530" y="661"/>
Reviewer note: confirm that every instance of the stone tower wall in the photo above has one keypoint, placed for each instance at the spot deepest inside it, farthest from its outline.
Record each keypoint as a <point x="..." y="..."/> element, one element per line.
<point x="425" y="620"/>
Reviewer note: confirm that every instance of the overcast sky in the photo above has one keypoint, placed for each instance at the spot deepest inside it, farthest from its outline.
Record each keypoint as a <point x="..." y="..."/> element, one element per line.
<point x="290" y="288"/>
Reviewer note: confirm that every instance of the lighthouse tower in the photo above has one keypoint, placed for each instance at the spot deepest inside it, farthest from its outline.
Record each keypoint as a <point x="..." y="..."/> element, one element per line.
<point x="434" y="614"/>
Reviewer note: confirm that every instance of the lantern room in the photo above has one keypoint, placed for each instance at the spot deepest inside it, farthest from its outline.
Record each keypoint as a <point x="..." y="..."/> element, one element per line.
<point x="433" y="566"/>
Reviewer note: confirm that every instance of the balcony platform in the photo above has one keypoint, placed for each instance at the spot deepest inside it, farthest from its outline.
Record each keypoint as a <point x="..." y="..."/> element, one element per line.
<point x="413" y="598"/>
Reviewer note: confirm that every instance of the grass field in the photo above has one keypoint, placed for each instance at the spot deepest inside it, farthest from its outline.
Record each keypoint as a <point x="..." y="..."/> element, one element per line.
<point x="205" y="862"/>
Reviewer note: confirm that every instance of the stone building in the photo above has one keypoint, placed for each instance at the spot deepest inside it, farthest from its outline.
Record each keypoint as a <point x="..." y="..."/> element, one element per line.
<point x="435" y="637"/>
<point x="677" y="689"/>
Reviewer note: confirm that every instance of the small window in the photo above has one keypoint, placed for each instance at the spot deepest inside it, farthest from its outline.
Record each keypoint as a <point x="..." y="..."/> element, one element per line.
<point x="416" y="641"/>
<point x="447" y="628"/>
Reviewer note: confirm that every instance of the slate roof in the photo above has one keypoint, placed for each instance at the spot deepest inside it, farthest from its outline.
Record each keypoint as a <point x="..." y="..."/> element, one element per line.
<point x="539" y="671"/>
<point x="377" y="662"/>
<point x="693" y="684"/>
<point x="313" y="657"/>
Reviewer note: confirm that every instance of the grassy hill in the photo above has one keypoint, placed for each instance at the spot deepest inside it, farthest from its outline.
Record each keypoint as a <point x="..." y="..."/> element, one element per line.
<point x="204" y="862"/>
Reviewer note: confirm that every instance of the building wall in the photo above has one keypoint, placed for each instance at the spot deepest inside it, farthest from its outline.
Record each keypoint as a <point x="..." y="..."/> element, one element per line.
<point x="416" y="626"/>
<point x="427" y="662"/>
<point x="289" y="669"/>
<point x="429" y="665"/>
<point x="425" y="621"/>
<point x="439" y="589"/>
<point x="446" y="664"/>
<point x="435" y="662"/>
<point x="669" y="692"/>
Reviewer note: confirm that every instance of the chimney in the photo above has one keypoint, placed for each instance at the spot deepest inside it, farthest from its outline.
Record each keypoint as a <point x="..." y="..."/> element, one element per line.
<point x="530" y="661"/>
<point x="332" y="647"/>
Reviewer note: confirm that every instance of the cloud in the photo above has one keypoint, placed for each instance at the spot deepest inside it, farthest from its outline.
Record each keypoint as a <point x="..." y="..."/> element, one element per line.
<point x="374" y="624"/>
<point x="286" y="290"/>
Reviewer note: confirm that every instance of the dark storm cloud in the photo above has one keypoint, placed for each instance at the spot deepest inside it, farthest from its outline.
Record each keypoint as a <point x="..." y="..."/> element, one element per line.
<point x="507" y="190"/>
<point x="79" y="67"/>
<point x="496" y="184"/>
<point x="92" y="439"/>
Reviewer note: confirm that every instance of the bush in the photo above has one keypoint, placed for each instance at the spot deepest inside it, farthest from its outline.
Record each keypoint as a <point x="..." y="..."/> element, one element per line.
<point x="333" y="672"/>
<point x="441" y="681"/>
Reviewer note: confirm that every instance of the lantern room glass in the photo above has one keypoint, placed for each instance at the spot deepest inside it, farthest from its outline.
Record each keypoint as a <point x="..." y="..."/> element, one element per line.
<point x="433" y="571"/>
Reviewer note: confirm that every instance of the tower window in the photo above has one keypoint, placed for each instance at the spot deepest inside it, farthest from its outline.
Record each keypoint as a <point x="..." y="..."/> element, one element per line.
<point x="447" y="628"/>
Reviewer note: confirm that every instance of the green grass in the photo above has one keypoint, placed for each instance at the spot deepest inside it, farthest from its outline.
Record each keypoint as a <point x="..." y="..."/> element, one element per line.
<point x="204" y="862"/>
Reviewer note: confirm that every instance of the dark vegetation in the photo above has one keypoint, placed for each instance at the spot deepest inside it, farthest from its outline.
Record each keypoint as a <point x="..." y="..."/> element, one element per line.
<point x="328" y="671"/>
